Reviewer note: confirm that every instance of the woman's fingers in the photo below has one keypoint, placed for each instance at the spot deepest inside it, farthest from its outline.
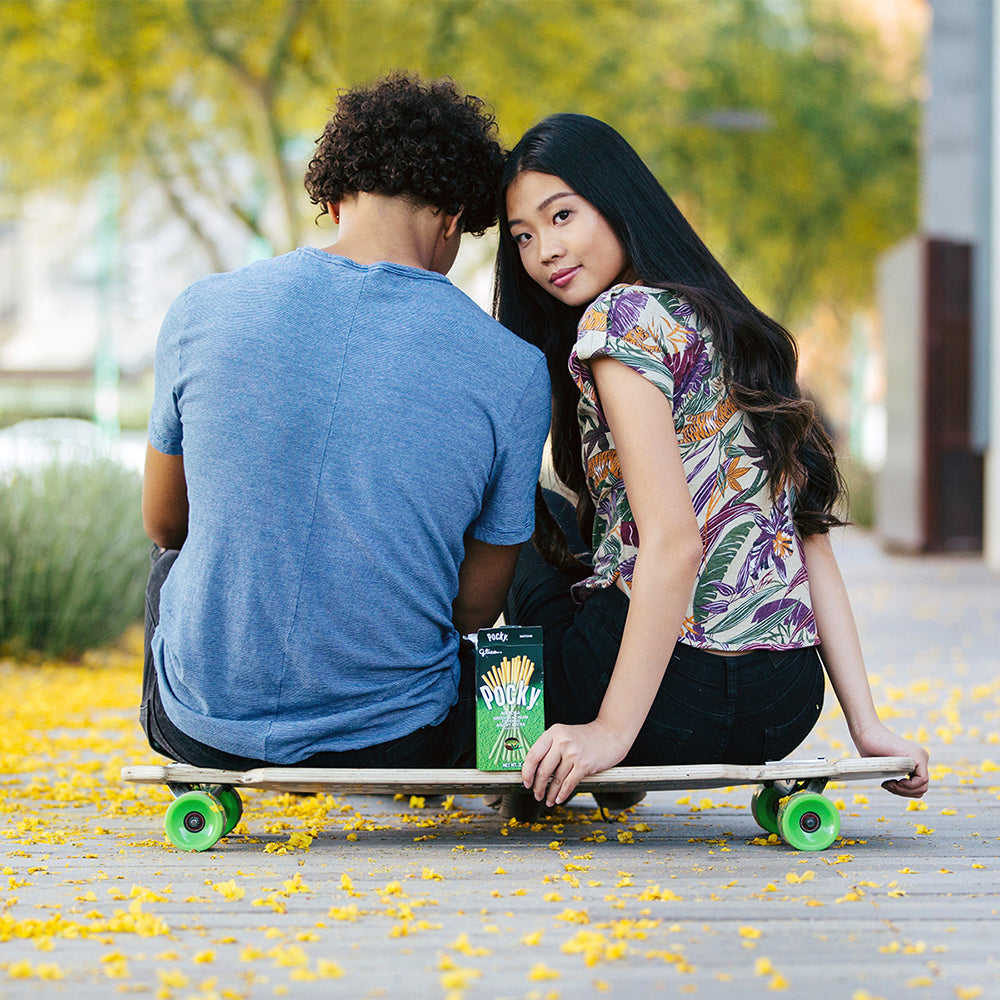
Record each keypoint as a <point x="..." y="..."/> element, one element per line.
<point x="534" y="757"/>
<point x="916" y="784"/>
<point x="547" y="771"/>
<point x="564" y="783"/>
<point x="540" y="763"/>
<point x="912" y="787"/>
<point x="905" y="788"/>
<point x="548" y="764"/>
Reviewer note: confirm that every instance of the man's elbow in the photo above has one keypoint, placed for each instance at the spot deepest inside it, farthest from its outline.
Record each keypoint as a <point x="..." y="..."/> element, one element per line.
<point x="166" y="539"/>
<point x="468" y="621"/>
<point x="166" y="534"/>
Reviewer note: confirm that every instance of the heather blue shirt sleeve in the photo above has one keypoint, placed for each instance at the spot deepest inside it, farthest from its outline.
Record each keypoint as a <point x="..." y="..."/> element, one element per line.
<point x="508" y="514"/>
<point x="164" y="418"/>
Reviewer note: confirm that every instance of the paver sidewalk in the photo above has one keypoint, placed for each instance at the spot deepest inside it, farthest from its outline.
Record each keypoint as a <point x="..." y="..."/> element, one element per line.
<point x="373" y="897"/>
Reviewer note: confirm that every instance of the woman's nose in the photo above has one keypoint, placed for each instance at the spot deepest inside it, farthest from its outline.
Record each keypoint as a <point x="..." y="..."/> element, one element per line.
<point x="549" y="249"/>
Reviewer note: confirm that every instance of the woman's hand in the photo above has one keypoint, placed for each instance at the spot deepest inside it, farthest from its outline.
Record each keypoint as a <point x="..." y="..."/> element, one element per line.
<point x="564" y="755"/>
<point x="880" y="741"/>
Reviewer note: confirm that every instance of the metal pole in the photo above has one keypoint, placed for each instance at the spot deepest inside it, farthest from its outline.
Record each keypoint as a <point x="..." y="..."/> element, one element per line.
<point x="106" y="396"/>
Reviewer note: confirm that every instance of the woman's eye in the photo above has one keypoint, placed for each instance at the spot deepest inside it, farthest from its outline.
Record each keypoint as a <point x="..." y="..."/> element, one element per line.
<point x="521" y="238"/>
<point x="561" y="216"/>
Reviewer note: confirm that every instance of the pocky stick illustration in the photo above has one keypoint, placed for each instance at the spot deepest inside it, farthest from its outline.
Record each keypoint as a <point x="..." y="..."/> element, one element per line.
<point x="510" y="714"/>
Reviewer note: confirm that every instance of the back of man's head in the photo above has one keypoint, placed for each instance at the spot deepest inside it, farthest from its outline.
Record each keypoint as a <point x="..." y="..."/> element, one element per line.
<point x="401" y="136"/>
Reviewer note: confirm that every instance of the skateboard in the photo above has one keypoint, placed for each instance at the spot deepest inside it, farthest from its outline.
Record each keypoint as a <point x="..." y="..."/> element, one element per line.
<point x="788" y="802"/>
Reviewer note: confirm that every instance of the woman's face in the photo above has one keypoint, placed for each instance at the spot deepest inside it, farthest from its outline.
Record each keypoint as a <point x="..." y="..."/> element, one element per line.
<point x="566" y="245"/>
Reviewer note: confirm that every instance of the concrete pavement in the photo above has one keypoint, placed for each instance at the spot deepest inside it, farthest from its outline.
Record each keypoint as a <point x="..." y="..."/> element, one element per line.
<point x="373" y="897"/>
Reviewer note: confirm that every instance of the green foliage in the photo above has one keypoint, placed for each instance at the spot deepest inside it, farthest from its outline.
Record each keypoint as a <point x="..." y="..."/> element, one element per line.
<point x="800" y="202"/>
<point x="73" y="557"/>
<point x="860" y="482"/>
<point x="777" y="127"/>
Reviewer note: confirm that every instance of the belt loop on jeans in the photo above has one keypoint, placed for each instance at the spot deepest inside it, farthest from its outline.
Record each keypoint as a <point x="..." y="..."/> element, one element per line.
<point x="730" y="678"/>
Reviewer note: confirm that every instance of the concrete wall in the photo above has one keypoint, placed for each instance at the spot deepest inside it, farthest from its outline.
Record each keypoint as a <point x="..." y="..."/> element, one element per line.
<point x="954" y="169"/>
<point x="899" y="511"/>
<point x="956" y="164"/>
<point x="991" y="541"/>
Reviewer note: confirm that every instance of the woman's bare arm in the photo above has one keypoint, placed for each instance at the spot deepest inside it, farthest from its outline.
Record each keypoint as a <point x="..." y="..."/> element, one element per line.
<point x="670" y="551"/>
<point x="840" y="648"/>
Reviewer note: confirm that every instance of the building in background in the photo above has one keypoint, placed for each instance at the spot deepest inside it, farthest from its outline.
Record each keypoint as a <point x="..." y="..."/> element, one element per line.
<point x="939" y="489"/>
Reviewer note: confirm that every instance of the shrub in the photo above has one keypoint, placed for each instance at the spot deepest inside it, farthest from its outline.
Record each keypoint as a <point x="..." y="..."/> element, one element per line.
<point x="860" y="482"/>
<point x="73" y="557"/>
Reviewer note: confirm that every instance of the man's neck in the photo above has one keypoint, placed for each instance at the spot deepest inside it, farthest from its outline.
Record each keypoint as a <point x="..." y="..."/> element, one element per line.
<point x="376" y="227"/>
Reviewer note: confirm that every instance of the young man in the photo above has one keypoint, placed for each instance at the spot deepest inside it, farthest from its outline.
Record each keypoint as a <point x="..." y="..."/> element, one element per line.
<point x="342" y="459"/>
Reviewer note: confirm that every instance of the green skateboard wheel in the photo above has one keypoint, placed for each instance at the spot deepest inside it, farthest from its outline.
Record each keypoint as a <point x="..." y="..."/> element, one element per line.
<point x="232" y="805"/>
<point x="194" y="821"/>
<point x="764" y="807"/>
<point x="808" y="822"/>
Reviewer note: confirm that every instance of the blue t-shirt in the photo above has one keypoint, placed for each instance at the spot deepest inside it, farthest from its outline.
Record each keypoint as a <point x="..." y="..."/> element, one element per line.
<point x="343" y="427"/>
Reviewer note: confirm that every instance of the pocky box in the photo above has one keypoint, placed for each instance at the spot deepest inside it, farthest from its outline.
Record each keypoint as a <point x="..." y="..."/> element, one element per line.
<point x="510" y="710"/>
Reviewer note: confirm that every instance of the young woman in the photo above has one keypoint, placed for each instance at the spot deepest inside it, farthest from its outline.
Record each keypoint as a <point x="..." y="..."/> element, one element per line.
<point x="692" y="632"/>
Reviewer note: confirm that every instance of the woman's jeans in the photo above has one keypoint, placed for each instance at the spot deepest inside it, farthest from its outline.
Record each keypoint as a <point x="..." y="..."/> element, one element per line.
<point x="448" y="744"/>
<point x="710" y="709"/>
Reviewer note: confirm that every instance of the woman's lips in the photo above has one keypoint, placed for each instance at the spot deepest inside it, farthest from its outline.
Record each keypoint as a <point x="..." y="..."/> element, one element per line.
<point x="564" y="277"/>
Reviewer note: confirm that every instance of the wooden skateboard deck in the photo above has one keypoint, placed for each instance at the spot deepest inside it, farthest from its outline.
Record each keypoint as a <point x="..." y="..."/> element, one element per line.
<point x="374" y="781"/>
<point x="789" y="803"/>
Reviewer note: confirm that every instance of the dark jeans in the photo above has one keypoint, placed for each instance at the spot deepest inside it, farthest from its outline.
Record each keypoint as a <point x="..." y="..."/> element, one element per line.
<point x="709" y="709"/>
<point x="449" y="744"/>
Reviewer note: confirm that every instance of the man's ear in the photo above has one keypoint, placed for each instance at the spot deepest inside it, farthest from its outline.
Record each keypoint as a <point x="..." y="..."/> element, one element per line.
<point x="452" y="223"/>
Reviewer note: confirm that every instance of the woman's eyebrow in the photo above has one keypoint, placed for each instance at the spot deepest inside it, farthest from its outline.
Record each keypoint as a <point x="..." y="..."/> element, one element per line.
<point x="548" y="201"/>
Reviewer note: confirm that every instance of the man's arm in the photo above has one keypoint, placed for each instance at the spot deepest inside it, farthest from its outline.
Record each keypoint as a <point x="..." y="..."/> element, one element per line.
<point x="483" y="581"/>
<point x="164" y="499"/>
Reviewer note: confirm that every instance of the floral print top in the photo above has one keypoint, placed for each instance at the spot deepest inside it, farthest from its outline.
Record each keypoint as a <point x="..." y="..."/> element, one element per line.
<point x="752" y="591"/>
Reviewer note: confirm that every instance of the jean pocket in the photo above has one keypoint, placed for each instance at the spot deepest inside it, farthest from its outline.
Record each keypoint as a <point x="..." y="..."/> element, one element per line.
<point x="782" y="739"/>
<point x="659" y="744"/>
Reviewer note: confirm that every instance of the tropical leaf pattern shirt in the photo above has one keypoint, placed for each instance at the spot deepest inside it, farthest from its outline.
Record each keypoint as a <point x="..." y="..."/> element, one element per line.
<point x="752" y="591"/>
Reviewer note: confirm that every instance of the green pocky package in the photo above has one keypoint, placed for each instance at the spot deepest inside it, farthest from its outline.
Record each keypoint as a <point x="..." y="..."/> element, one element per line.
<point x="510" y="710"/>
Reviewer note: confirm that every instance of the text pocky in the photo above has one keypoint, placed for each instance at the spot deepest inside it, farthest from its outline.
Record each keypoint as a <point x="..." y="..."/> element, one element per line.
<point x="510" y="710"/>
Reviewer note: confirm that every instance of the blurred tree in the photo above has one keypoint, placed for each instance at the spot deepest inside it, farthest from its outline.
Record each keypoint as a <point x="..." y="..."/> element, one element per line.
<point x="204" y="98"/>
<point x="794" y="154"/>
<point x="771" y="124"/>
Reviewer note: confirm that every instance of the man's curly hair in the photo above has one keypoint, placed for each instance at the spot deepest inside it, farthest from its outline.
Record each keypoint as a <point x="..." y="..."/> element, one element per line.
<point x="401" y="136"/>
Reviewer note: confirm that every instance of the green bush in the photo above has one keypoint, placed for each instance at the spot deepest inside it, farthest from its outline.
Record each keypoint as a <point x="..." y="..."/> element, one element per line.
<point x="73" y="557"/>
<point x="860" y="483"/>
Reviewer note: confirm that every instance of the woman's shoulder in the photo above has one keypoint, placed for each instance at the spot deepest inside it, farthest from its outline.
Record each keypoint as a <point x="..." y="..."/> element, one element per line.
<point x="640" y="325"/>
<point x="631" y="304"/>
<point x="653" y="318"/>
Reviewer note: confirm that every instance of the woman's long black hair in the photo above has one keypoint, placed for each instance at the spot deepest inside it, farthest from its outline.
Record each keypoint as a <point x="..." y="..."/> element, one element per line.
<point x="759" y="356"/>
